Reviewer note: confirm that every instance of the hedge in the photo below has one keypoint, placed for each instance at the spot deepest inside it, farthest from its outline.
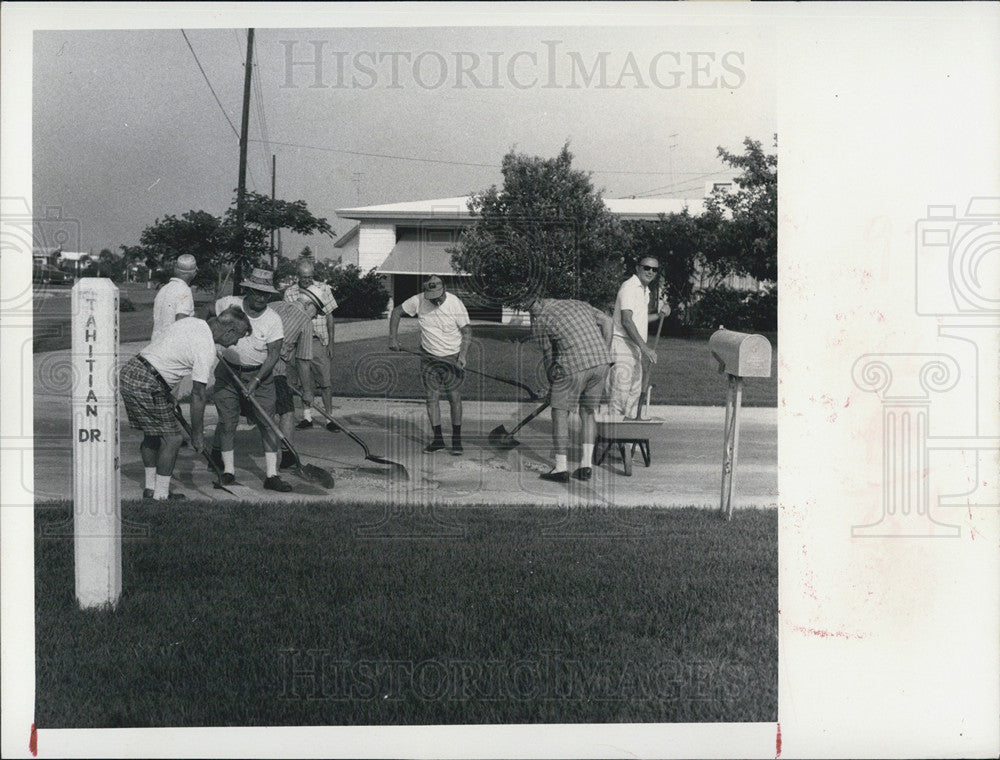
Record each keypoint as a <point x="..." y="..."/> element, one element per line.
<point x="747" y="311"/>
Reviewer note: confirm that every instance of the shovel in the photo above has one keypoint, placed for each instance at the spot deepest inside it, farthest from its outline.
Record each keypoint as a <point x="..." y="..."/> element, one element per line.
<point x="396" y="470"/>
<point x="309" y="472"/>
<point x="208" y="457"/>
<point x="647" y="375"/>
<point x="532" y="394"/>
<point x="499" y="436"/>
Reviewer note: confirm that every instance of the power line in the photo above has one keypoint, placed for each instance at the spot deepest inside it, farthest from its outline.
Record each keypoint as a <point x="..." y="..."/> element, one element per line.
<point x="235" y="131"/>
<point x="382" y="155"/>
<point x="453" y="163"/>
<point x="680" y="185"/>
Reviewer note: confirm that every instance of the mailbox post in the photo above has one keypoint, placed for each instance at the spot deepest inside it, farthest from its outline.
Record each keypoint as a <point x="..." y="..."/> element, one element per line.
<point x="737" y="355"/>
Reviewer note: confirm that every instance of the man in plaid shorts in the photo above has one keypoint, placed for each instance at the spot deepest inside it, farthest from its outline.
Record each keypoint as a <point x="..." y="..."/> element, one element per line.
<point x="185" y="347"/>
<point x="576" y="347"/>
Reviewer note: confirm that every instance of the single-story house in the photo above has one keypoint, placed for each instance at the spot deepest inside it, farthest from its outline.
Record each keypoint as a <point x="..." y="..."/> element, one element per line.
<point x="408" y="241"/>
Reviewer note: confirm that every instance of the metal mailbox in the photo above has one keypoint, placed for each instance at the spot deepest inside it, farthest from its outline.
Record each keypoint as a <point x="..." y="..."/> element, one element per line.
<point x="737" y="355"/>
<point x="741" y="354"/>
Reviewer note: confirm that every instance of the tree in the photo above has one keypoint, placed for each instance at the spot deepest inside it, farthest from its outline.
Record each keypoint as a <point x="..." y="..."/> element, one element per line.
<point x="357" y="294"/>
<point x="213" y="241"/>
<point x="547" y="231"/>
<point x="262" y="215"/>
<point x="198" y="233"/>
<point x="743" y="224"/>
<point x="111" y="266"/>
<point x="676" y="241"/>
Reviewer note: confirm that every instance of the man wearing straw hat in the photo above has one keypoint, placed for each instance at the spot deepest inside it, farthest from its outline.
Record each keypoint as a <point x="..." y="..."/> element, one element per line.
<point x="628" y="347"/>
<point x="253" y="360"/>
<point x="174" y="300"/>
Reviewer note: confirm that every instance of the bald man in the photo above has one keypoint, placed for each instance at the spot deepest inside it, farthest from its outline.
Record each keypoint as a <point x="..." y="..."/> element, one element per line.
<point x="322" y="345"/>
<point x="174" y="300"/>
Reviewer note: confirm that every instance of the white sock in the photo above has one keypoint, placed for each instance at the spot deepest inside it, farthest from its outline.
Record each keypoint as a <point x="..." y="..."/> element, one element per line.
<point x="560" y="463"/>
<point x="162" y="488"/>
<point x="150" y="477"/>
<point x="307" y="413"/>
<point x="587" y="455"/>
<point x="271" y="463"/>
<point x="227" y="462"/>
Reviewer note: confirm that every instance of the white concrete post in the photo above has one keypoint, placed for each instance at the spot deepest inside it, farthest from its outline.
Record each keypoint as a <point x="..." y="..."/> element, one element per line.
<point x="97" y="520"/>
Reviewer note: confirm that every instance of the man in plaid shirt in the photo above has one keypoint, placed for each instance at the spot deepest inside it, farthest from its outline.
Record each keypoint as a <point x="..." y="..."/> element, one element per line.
<point x="322" y="345"/>
<point x="575" y="339"/>
<point x="296" y="350"/>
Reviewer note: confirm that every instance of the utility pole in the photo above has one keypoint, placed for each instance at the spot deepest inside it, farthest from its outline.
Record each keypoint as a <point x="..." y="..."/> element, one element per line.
<point x="242" y="186"/>
<point x="274" y="170"/>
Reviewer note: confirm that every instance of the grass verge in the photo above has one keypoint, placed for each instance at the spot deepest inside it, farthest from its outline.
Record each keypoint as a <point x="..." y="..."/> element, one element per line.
<point x="282" y="614"/>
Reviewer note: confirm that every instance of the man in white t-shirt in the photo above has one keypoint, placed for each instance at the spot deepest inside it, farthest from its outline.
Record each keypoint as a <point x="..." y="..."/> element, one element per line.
<point x="445" y="335"/>
<point x="174" y="300"/>
<point x="253" y="360"/>
<point x="185" y="347"/>
<point x="631" y="331"/>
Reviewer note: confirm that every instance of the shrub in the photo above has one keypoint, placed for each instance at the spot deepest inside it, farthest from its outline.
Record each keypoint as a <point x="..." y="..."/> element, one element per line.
<point x="125" y="304"/>
<point x="358" y="295"/>
<point x="747" y="311"/>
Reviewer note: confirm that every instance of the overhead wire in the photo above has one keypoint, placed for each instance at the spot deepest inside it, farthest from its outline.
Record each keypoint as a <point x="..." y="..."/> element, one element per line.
<point x="212" y="89"/>
<point x="468" y="163"/>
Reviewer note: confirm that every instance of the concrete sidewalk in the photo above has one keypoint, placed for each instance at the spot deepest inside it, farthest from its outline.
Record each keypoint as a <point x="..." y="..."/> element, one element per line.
<point x="686" y="453"/>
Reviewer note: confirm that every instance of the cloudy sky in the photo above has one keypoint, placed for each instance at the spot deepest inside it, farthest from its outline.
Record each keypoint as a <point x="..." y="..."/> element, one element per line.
<point x="126" y="128"/>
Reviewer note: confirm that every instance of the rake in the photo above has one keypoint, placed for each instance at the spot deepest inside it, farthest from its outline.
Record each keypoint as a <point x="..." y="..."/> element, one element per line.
<point x="532" y="394"/>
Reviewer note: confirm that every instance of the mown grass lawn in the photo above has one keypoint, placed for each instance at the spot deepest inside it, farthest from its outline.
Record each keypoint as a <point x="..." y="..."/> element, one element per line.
<point x="282" y="615"/>
<point x="684" y="375"/>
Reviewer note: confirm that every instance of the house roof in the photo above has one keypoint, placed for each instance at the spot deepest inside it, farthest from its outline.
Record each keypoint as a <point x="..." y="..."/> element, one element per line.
<point x="457" y="209"/>
<point x="436" y="208"/>
<point x="347" y="237"/>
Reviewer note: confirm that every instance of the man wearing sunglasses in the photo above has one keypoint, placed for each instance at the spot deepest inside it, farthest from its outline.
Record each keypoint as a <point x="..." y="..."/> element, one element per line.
<point x="631" y="329"/>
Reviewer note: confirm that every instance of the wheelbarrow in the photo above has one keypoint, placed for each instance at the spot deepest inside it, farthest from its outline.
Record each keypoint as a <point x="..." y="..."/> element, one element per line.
<point x="627" y="435"/>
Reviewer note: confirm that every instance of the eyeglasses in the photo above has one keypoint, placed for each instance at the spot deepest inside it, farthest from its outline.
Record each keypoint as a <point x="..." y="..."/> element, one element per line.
<point x="650" y="269"/>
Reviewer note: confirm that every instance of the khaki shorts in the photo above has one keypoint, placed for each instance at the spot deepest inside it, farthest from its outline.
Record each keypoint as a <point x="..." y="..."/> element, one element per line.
<point x="230" y="402"/>
<point x="584" y="388"/>
<point x="440" y="373"/>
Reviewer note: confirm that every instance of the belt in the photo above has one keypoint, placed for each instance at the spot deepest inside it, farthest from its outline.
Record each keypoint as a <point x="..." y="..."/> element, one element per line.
<point x="243" y="367"/>
<point x="143" y="360"/>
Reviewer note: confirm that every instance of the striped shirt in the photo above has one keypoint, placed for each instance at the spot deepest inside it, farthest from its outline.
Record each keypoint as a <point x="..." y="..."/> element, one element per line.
<point x="570" y="335"/>
<point x="319" y="321"/>
<point x="297" y="342"/>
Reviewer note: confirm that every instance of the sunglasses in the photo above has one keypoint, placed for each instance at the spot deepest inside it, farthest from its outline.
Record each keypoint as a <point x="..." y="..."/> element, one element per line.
<point x="650" y="269"/>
